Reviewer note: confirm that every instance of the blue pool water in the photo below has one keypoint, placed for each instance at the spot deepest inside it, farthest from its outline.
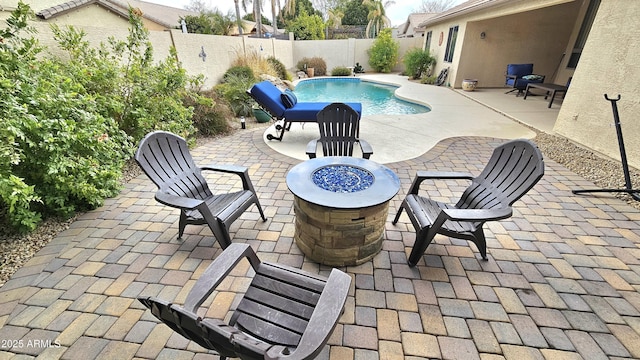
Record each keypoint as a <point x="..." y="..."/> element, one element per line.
<point x="375" y="98"/>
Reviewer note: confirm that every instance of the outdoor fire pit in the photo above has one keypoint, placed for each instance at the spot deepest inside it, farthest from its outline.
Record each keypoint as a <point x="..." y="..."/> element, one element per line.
<point x="341" y="206"/>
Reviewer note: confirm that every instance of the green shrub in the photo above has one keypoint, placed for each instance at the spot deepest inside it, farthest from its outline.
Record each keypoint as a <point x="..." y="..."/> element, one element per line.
<point x="417" y="63"/>
<point x="306" y="27"/>
<point x="68" y="126"/>
<point x="234" y="92"/>
<point x="430" y="80"/>
<point x="340" y="71"/>
<point x="317" y="63"/>
<point x="239" y="71"/>
<point x="383" y="54"/>
<point x="279" y="67"/>
<point x="210" y="113"/>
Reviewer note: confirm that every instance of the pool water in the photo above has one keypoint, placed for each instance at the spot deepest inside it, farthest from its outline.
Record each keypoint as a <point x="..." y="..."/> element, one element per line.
<point x="375" y="98"/>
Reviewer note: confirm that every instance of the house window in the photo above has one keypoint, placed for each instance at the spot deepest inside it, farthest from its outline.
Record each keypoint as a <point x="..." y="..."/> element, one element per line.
<point x="583" y="34"/>
<point x="427" y="42"/>
<point x="451" y="43"/>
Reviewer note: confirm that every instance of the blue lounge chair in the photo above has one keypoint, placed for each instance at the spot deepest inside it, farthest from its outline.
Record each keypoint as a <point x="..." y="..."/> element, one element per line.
<point x="519" y="75"/>
<point x="270" y="98"/>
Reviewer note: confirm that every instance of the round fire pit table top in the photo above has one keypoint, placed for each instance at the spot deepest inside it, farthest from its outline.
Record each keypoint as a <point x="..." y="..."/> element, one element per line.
<point x="343" y="182"/>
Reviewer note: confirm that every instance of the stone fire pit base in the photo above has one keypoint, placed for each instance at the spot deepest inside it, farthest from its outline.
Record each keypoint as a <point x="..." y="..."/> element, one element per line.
<point x="339" y="237"/>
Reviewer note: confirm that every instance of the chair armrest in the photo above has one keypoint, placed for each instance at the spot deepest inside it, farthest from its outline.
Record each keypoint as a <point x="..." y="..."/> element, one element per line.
<point x="366" y="148"/>
<point x="312" y="148"/>
<point x="177" y="201"/>
<point x="425" y="175"/>
<point x="323" y="320"/>
<point x="217" y="271"/>
<point x="234" y="169"/>
<point x="241" y="171"/>
<point x="511" y="76"/>
<point x="477" y="214"/>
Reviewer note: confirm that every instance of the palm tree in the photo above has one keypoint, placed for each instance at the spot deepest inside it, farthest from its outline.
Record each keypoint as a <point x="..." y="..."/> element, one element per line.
<point x="257" y="16"/>
<point x="275" y="4"/>
<point x="378" y="20"/>
<point x="334" y="17"/>
<point x="289" y="7"/>
<point x="238" y="18"/>
<point x="334" y="20"/>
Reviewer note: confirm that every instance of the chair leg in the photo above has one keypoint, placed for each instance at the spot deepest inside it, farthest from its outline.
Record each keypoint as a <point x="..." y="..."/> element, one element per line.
<point x="481" y="243"/>
<point x="182" y="223"/>
<point x="257" y="202"/>
<point x="423" y="239"/>
<point x="221" y="232"/>
<point x="395" y="220"/>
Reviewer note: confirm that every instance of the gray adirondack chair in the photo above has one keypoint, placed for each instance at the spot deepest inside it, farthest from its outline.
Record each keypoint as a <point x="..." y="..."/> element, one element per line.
<point x="513" y="169"/>
<point x="285" y="314"/>
<point x="166" y="160"/>
<point x="339" y="132"/>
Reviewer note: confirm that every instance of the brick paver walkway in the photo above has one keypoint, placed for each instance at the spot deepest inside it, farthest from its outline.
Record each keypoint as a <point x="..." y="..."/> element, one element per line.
<point x="561" y="282"/>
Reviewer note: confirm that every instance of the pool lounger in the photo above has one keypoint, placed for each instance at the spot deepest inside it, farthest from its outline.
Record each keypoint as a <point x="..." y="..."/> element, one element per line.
<point x="269" y="97"/>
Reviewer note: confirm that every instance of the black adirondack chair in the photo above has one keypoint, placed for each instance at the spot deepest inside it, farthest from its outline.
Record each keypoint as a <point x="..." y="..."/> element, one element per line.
<point x="166" y="159"/>
<point x="513" y="169"/>
<point x="285" y="314"/>
<point x="339" y="131"/>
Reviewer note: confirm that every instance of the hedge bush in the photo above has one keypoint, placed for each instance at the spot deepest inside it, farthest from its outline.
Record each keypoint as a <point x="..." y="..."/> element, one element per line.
<point x="318" y="63"/>
<point x="71" y="125"/>
<point x="383" y="54"/>
<point x="279" y="67"/>
<point x="340" y="71"/>
<point x="417" y="63"/>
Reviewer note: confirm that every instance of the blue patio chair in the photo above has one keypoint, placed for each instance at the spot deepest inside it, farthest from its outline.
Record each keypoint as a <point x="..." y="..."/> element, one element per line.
<point x="519" y="75"/>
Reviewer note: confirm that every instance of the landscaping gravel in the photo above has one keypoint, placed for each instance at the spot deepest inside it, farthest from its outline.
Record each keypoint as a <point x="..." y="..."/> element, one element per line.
<point x="16" y="250"/>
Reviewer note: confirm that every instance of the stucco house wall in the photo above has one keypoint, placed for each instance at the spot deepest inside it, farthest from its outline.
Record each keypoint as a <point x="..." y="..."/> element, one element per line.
<point x="515" y="32"/>
<point x="538" y="36"/>
<point x="608" y="65"/>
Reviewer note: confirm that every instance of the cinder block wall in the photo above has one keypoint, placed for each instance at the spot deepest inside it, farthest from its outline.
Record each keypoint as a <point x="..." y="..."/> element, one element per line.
<point x="222" y="50"/>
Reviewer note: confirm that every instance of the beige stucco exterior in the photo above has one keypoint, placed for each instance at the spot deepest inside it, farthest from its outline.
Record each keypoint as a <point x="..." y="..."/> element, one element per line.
<point x="608" y="65"/>
<point x="515" y="32"/>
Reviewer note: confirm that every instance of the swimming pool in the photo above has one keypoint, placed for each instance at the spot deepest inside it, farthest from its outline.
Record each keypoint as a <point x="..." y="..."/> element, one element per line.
<point x="375" y="98"/>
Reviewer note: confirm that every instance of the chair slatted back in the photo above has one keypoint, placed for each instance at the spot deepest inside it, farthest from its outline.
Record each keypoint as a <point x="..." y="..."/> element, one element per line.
<point x="166" y="159"/>
<point x="339" y="129"/>
<point x="513" y="169"/>
<point x="278" y="305"/>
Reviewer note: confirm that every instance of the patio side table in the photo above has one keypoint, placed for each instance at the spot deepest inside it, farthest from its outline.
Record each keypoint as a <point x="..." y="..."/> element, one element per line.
<point x="549" y="88"/>
<point x="341" y="206"/>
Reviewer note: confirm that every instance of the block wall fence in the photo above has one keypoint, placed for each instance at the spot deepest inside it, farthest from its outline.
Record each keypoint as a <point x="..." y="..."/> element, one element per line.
<point x="222" y="50"/>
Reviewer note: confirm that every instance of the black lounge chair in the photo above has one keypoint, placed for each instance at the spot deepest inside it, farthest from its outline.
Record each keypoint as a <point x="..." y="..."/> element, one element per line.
<point x="269" y="98"/>
<point x="166" y="160"/>
<point x="513" y="169"/>
<point x="285" y="314"/>
<point x="339" y="128"/>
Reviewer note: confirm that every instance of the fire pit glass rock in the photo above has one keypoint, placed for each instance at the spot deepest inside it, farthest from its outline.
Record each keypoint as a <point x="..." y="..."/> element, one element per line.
<point x="342" y="178"/>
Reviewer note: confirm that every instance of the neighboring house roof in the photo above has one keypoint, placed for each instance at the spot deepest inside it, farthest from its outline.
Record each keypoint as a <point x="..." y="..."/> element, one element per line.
<point x="413" y="20"/>
<point x="462" y="9"/>
<point x="166" y="16"/>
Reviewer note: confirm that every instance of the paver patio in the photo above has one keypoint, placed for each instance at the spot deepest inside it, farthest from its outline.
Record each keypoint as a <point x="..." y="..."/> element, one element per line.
<point x="561" y="282"/>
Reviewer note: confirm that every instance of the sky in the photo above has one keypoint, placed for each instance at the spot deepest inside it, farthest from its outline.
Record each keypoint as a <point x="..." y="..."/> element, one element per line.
<point x="397" y="12"/>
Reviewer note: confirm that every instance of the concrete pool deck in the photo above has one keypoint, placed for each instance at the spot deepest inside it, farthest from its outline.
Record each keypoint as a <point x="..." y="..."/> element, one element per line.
<point x="453" y="114"/>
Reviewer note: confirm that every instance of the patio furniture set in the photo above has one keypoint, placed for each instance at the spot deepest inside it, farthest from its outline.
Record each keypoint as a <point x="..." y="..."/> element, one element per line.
<point x="521" y="78"/>
<point x="341" y="206"/>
